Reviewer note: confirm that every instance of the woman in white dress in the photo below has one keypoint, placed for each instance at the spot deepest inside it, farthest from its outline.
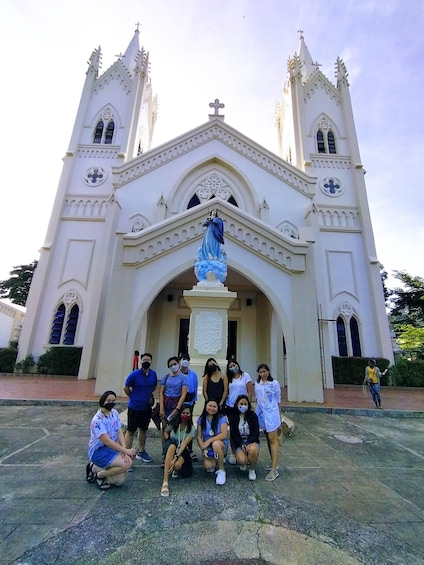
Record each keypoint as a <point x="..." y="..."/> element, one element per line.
<point x="268" y="399"/>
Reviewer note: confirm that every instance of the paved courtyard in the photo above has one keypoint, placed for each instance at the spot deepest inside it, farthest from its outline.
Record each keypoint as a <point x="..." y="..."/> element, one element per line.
<point x="350" y="491"/>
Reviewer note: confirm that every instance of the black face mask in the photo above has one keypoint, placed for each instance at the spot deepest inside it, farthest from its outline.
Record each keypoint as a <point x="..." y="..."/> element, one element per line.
<point x="109" y="405"/>
<point x="145" y="365"/>
<point x="213" y="368"/>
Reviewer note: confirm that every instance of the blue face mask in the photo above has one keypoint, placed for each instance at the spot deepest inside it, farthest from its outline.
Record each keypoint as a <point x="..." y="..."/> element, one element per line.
<point x="185" y="363"/>
<point x="174" y="368"/>
<point x="234" y="369"/>
<point x="243" y="408"/>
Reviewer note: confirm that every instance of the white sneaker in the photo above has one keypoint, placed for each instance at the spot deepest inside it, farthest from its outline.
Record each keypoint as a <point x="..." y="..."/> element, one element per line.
<point x="252" y="475"/>
<point x="243" y="467"/>
<point x="268" y="467"/>
<point x="232" y="460"/>
<point x="221" y="477"/>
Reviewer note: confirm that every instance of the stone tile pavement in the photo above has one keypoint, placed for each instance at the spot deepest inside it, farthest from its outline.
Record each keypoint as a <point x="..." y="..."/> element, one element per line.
<point x="350" y="491"/>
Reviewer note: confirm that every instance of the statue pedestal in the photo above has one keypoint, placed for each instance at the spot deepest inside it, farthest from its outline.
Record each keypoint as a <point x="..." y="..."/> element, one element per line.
<point x="209" y="302"/>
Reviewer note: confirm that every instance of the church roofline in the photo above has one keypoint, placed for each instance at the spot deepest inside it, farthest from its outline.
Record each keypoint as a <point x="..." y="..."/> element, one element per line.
<point x="214" y="129"/>
<point x="242" y="228"/>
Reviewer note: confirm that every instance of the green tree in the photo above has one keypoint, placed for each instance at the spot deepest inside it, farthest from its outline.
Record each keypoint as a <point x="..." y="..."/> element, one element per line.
<point x="410" y="340"/>
<point x="407" y="303"/>
<point x="16" y="288"/>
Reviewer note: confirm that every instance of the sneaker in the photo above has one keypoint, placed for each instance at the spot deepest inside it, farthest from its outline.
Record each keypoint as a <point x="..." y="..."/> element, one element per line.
<point x="194" y="456"/>
<point x="221" y="477"/>
<point x="268" y="467"/>
<point x="144" y="456"/>
<point x="212" y="470"/>
<point x="232" y="460"/>
<point x="252" y="475"/>
<point x="175" y="475"/>
<point x="243" y="467"/>
<point x="272" y="475"/>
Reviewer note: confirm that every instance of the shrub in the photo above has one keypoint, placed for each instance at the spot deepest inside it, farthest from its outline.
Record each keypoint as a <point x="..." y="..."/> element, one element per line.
<point x="26" y="364"/>
<point x="60" y="361"/>
<point x="7" y="359"/>
<point x="409" y="373"/>
<point x="351" y="370"/>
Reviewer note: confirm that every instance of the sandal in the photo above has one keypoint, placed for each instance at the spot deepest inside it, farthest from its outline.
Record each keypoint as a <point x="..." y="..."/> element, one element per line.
<point x="89" y="473"/>
<point x="164" y="491"/>
<point x="101" y="482"/>
<point x="194" y="456"/>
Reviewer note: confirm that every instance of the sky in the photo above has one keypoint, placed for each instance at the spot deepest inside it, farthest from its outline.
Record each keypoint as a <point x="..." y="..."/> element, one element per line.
<point x="234" y="50"/>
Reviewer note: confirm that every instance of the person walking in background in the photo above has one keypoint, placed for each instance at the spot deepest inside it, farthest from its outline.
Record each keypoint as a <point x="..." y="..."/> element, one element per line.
<point x="239" y="383"/>
<point x="139" y="387"/>
<point x="212" y="431"/>
<point x="192" y="385"/>
<point x="372" y="379"/>
<point x="135" y="360"/>
<point x="178" y="436"/>
<point x="214" y="383"/>
<point x="109" y="458"/>
<point x="268" y="399"/>
<point x="244" y="435"/>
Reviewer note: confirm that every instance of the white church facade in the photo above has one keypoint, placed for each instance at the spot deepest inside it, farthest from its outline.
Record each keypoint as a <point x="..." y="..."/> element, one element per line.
<point x="118" y="257"/>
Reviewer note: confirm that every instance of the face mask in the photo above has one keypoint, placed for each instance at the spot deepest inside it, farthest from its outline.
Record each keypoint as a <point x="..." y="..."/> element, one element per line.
<point x="234" y="369"/>
<point x="185" y="363"/>
<point x="213" y="368"/>
<point x="109" y="405"/>
<point x="145" y="365"/>
<point x="243" y="408"/>
<point x="185" y="417"/>
<point x="174" y="368"/>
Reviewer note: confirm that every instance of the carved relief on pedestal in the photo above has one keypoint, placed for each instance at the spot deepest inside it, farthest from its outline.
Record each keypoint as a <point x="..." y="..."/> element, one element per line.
<point x="208" y="333"/>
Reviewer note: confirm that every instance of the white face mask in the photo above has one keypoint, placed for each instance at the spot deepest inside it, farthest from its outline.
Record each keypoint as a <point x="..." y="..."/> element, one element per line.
<point x="243" y="408"/>
<point x="174" y="368"/>
<point x="185" y="363"/>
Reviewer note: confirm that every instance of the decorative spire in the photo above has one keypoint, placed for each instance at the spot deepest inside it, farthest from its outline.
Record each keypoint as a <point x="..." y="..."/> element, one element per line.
<point x="95" y="61"/>
<point x="130" y="58"/>
<point x="341" y="73"/>
<point x="308" y="64"/>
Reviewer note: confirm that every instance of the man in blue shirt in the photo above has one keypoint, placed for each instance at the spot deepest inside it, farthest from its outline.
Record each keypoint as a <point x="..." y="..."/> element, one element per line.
<point x="191" y="397"/>
<point x="139" y="387"/>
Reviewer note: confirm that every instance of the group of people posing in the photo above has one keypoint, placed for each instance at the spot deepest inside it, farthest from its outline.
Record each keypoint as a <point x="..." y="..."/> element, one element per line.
<point x="228" y="427"/>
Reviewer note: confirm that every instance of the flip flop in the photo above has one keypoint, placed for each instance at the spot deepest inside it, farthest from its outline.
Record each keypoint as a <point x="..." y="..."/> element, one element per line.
<point x="164" y="491"/>
<point x="89" y="473"/>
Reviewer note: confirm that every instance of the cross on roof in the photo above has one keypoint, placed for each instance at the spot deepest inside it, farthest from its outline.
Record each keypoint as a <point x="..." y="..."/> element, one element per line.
<point x="217" y="104"/>
<point x="300" y="32"/>
<point x="138" y="24"/>
<point x="120" y="55"/>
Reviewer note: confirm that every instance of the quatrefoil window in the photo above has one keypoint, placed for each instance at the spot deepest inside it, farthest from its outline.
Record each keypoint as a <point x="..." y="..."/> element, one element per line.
<point x="94" y="176"/>
<point x="331" y="186"/>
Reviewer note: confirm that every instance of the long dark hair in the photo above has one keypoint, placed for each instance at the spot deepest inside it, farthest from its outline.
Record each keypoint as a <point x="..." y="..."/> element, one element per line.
<point x="263" y="366"/>
<point x="178" y="418"/>
<point x="215" y="417"/>
<point x="102" y="399"/>
<point x="207" y="371"/>
<point x="230" y="374"/>
<point x="244" y="397"/>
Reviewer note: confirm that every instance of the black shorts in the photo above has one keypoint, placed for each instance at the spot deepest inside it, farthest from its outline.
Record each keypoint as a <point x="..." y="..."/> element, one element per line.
<point x="139" y="419"/>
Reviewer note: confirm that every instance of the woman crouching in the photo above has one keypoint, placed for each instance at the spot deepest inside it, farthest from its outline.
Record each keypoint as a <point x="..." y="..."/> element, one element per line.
<point x="109" y="458"/>
<point x="212" y="431"/>
<point x="244" y="435"/>
<point x="178" y="435"/>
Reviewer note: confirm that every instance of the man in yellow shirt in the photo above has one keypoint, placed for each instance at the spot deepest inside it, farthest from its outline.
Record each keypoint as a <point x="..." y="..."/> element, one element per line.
<point x="372" y="379"/>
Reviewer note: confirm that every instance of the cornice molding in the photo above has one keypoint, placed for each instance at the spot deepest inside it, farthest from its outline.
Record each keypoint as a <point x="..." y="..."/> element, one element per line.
<point x="147" y="245"/>
<point x="231" y="138"/>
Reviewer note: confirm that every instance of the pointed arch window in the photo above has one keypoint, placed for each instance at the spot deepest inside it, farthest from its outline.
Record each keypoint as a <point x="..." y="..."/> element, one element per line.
<point x="109" y="132"/>
<point x="98" y="132"/>
<point x="341" y="337"/>
<point x="57" y="325"/>
<point x="320" y="142"/>
<point x="71" y="326"/>
<point x="331" y="142"/>
<point x="354" y="336"/>
<point x="65" y="320"/>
